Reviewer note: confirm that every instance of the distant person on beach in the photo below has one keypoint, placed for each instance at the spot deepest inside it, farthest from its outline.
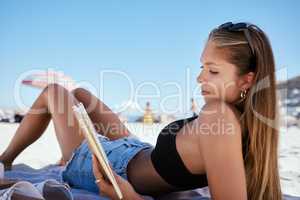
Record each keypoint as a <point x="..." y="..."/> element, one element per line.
<point x="230" y="146"/>
<point x="194" y="107"/>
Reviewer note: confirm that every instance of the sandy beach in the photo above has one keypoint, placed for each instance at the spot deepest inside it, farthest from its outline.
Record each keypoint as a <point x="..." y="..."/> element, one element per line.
<point x="46" y="150"/>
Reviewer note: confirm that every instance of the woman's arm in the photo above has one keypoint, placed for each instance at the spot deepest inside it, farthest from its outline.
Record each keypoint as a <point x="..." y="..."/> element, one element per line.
<point x="221" y="152"/>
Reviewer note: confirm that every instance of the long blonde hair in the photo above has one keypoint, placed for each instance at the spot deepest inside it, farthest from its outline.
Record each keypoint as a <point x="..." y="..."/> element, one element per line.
<point x="259" y="119"/>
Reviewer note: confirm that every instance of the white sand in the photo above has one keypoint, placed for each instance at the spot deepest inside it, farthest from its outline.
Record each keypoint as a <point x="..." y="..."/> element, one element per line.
<point x="289" y="161"/>
<point x="46" y="150"/>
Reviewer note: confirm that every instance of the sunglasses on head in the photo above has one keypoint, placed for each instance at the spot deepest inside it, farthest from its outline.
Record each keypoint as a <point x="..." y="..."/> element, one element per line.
<point x="229" y="26"/>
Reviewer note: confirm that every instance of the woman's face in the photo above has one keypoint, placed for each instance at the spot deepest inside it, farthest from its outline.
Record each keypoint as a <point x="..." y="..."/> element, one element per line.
<point x="218" y="78"/>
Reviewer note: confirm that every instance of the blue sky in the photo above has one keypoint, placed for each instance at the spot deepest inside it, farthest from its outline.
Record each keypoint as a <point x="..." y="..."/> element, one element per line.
<point x="150" y="41"/>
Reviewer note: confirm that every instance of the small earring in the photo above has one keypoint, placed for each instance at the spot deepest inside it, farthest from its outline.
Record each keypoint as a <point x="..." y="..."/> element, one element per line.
<point x="243" y="95"/>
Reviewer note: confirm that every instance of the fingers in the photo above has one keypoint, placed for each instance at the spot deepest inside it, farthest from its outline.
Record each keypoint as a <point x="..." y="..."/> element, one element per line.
<point x="96" y="170"/>
<point x="105" y="188"/>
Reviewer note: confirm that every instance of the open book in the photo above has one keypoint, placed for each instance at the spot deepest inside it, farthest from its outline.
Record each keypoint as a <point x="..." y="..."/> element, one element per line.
<point x="95" y="146"/>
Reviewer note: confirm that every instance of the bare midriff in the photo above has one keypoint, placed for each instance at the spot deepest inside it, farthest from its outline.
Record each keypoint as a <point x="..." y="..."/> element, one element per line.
<point x="143" y="176"/>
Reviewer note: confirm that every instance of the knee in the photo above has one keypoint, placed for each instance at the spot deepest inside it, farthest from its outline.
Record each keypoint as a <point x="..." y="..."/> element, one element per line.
<point x="79" y="93"/>
<point x="54" y="90"/>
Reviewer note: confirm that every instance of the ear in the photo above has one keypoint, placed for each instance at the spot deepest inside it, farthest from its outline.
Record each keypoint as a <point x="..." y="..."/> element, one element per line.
<point x="246" y="81"/>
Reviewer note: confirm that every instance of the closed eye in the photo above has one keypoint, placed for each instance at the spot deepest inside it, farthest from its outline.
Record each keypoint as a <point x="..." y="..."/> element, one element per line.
<point x="212" y="72"/>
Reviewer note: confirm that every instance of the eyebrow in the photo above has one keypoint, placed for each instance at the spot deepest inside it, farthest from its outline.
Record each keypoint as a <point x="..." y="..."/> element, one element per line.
<point x="210" y="63"/>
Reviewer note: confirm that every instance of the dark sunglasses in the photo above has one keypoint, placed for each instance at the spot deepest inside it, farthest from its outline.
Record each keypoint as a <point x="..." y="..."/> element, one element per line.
<point x="229" y="26"/>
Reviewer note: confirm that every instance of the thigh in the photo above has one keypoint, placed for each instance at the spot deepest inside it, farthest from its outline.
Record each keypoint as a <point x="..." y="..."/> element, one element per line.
<point x="105" y="120"/>
<point x="60" y="102"/>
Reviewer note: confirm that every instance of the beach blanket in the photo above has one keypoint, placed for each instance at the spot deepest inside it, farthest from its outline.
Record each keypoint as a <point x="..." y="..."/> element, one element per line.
<point x="53" y="172"/>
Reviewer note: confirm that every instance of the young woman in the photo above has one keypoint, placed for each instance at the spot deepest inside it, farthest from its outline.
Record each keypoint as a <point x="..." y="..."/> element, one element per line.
<point x="231" y="146"/>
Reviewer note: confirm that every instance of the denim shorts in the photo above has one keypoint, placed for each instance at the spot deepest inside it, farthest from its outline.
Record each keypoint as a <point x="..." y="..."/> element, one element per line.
<point x="78" y="172"/>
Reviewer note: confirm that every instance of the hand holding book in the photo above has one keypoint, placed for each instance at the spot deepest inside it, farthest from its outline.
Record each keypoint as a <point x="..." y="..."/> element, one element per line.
<point x="95" y="146"/>
<point x="107" y="189"/>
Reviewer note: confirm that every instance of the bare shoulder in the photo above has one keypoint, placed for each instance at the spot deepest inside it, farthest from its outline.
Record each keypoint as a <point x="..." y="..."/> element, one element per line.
<point x="219" y="118"/>
<point x="220" y="144"/>
<point x="218" y="125"/>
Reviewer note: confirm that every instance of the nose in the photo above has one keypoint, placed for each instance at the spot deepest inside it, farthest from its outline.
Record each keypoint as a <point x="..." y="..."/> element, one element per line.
<point x="200" y="78"/>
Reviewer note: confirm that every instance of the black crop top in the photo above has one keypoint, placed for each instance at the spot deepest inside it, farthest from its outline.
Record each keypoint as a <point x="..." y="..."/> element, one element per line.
<point x="167" y="162"/>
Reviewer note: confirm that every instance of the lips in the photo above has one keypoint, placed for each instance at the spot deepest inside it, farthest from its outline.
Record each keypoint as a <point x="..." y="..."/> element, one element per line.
<point x="203" y="92"/>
